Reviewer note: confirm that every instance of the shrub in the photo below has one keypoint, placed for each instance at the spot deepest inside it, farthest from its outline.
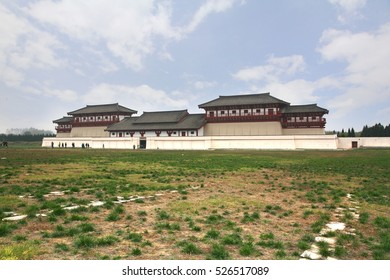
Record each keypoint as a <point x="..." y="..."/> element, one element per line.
<point x="382" y="222"/>
<point x="134" y="237"/>
<point x="163" y="215"/>
<point x="307" y="213"/>
<point x="6" y="229"/>
<point x="58" y="211"/>
<point x="250" y="218"/>
<point x="31" y="211"/>
<point x="265" y="236"/>
<point x="270" y="244"/>
<point x="142" y="213"/>
<point x="303" y="245"/>
<point x="339" y="251"/>
<point x="136" y="252"/>
<point x="106" y="241"/>
<point x="280" y="254"/>
<point x="247" y="249"/>
<point x="213" y="234"/>
<point x="363" y="218"/>
<point x="86" y="227"/>
<point x="85" y="241"/>
<point x="61" y="247"/>
<point x="324" y="249"/>
<point x="214" y="219"/>
<point x="232" y="239"/>
<point x="218" y="252"/>
<point x="191" y="249"/>
<point x="112" y="217"/>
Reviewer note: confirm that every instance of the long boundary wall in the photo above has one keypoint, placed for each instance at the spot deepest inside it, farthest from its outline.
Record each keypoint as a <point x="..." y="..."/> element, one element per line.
<point x="363" y="142"/>
<point x="279" y="142"/>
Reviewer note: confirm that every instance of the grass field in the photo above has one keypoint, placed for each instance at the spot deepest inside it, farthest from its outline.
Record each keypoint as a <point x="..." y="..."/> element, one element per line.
<point x="191" y="204"/>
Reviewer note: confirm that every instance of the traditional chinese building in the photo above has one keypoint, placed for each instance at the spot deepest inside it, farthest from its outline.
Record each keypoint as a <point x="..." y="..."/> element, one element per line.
<point x="64" y="126"/>
<point x="92" y="120"/>
<point x="234" y="115"/>
<point x="261" y="114"/>
<point x="161" y="123"/>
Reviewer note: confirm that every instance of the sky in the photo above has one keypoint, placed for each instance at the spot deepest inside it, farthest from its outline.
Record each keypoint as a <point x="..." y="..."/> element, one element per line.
<point x="58" y="56"/>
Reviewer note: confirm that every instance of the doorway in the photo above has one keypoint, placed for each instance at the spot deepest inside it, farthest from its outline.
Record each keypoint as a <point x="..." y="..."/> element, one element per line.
<point x="142" y="144"/>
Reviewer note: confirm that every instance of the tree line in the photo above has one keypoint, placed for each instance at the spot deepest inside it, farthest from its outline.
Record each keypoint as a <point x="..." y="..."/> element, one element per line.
<point x="377" y="130"/>
<point x="24" y="137"/>
<point x="25" y="134"/>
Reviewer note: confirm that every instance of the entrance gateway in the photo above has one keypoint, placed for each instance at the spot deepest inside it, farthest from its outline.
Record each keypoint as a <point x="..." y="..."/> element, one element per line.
<point x="142" y="143"/>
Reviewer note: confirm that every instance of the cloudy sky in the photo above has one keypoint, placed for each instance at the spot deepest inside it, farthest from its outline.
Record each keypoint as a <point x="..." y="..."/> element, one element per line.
<point x="58" y="56"/>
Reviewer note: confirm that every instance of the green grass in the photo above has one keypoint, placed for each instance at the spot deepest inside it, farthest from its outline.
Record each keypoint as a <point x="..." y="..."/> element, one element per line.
<point x="218" y="252"/>
<point x="190" y="248"/>
<point x="282" y="197"/>
<point x="20" y="251"/>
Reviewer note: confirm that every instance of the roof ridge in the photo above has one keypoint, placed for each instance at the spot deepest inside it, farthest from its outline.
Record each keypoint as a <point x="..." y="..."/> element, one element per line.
<point x="311" y="104"/>
<point x="245" y="94"/>
<point x="167" y="111"/>
<point x="108" y="104"/>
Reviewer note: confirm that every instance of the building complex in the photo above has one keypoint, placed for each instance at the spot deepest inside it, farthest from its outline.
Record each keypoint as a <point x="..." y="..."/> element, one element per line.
<point x="252" y="121"/>
<point x="237" y="115"/>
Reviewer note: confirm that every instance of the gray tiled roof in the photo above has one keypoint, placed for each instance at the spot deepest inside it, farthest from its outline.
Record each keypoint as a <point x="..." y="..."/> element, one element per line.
<point x="244" y="99"/>
<point x="64" y="120"/>
<point x="162" y="117"/>
<point x="105" y="108"/>
<point x="191" y="121"/>
<point x="309" y="108"/>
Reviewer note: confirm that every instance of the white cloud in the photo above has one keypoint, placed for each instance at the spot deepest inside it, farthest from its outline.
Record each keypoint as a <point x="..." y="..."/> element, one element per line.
<point x="204" y="84"/>
<point x="65" y="95"/>
<point x="24" y="47"/>
<point x="278" y="77"/>
<point x="348" y="9"/>
<point x="297" y="91"/>
<point x="142" y="96"/>
<point x="349" y="5"/>
<point x="275" y="68"/>
<point x="211" y="6"/>
<point x="127" y="29"/>
<point x="366" y="75"/>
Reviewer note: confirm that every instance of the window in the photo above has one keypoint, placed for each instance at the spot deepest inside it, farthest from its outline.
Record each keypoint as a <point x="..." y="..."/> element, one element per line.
<point x="301" y="118"/>
<point x="112" y="133"/>
<point x="258" y="111"/>
<point x="84" y="118"/>
<point x="234" y="112"/>
<point x="192" y="132"/>
<point x="245" y="111"/>
<point x="222" y="112"/>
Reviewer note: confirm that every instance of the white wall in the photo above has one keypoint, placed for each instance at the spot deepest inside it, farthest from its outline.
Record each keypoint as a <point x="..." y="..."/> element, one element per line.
<point x="368" y="142"/>
<point x="175" y="133"/>
<point x="245" y="128"/>
<point x="303" y="131"/>
<point x="97" y="131"/>
<point x="96" y="143"/>
<point x="283" y="142"/>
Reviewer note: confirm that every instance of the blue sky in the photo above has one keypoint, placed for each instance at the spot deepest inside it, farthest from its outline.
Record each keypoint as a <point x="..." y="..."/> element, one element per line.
<point x="58" y="56"/>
